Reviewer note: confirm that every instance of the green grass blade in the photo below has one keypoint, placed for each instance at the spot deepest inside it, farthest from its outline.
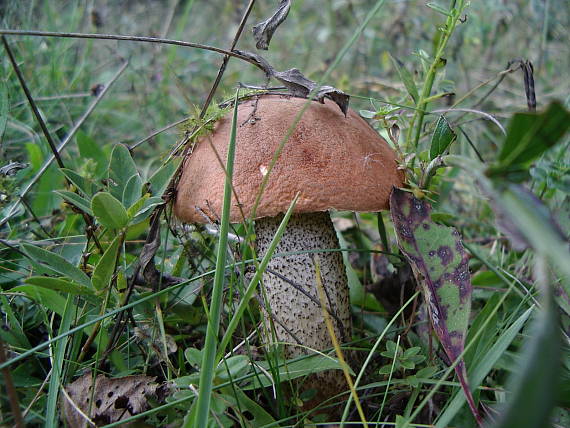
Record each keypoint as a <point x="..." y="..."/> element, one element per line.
<point x="534" y="382"/>
<point x="372" y="353"/>
<point x="533" y="221"/>
<point x="207" y="371"/>
<point x="58" y="357"/>
<point x="484" y="366"/>
<point x="56" y="263"/>
<point x="4" y="108"/>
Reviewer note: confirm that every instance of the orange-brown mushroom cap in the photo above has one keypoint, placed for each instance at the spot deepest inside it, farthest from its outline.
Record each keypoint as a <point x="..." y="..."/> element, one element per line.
<point x="333" y="161"/>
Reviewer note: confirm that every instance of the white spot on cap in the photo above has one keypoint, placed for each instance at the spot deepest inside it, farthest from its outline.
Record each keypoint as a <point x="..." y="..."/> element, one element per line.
<point x="263" y="170"/>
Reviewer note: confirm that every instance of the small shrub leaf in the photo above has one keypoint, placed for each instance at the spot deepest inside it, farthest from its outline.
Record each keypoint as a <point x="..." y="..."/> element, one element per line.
<point x="293" y="369"/>
<point x="257" y="415"/>
<point x="143" y="208"/>
<point x="442" y="138"/>
<point x="89" y="149"/>
<point x="109" y="211"/>
<point x="49" y="298"/>
<point x="531" y="134"/>
<point x="438" y="8"/>
<point x="132" y="191"/>
<point x="106" y="266"/>
<point x="57" y="264"/>
<point x="161" y="178"/>
<point x="193" y="356"/>
<point x="232" y="368"/>
<point x="86" y="186"/>
<point x="76" y="200"/>
<point x="406" y="78"/>
<point x="121" y="168"/>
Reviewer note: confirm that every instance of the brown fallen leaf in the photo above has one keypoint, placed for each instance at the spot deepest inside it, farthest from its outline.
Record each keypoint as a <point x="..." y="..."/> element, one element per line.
<point x="108" y="401"/>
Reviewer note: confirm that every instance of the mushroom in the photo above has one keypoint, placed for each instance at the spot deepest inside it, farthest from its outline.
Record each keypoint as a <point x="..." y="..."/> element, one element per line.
<point x="333" y="162"/>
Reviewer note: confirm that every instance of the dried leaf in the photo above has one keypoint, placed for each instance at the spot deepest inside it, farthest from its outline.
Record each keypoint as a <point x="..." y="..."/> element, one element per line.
<point x="113" y="399"/>
<point x="295" y="81"/>
<point x="258" y="60"/>
<point x="528" y="72"/>
<point x="263" y="32"/>
<point x="146" y="258"/>
<point x="298" y="84"/>
<point x="12" y="168"/>
<point x="394" y="134"/>
<point x="146" y="334"/>
<point x="336" y="95"/>
<point x="440" y="265"/>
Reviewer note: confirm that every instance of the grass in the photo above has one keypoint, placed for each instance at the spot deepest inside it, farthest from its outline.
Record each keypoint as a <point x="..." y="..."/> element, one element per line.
<point x="200" y="331"/>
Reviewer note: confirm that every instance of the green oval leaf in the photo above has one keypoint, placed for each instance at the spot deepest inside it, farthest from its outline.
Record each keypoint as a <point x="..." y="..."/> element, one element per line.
<point x="193" y="356"/>
<point x="161" y="178"/>
<point x="293" y="369"/>
<point x="442" y="138"/>
<point x="121" y="169"/>
<point x="140" y="212"/>
<point x="85" y="185"/>
<point x="232" y="368"/>
<point x="106" y="266"/>
<point x="132" y="191"/>
<point x="531" y="134"/>
<point x="109" y="211"/>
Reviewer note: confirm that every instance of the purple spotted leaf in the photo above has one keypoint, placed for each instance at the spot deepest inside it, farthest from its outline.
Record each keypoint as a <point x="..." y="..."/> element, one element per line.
<point x="440" y="265"/>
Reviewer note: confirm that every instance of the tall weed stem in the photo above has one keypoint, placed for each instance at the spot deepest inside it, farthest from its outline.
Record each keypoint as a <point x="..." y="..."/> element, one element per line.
<point x="454" y="16"/>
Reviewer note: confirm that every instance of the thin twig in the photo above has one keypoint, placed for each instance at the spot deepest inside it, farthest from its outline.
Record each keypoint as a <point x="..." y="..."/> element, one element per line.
<point x="10" y="245"/>
<point x="10" y="389"/>
<point x="35" y="217"/>
<point x="55" y="98"/>
<point x="226" y="59"/>
<point x="159" y="131"/>
<point x="32" y="103"/>
<point x="127" y="38"/>
<point x="471" y="144"/>
<point x="470" y="110"/>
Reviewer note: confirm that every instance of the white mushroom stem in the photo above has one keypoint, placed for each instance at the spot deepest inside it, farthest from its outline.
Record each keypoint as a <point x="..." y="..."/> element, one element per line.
<point x="292" y="296"/>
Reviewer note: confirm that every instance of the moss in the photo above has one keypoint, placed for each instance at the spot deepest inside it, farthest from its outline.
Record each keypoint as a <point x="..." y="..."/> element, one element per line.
<point x="196" y="127"/>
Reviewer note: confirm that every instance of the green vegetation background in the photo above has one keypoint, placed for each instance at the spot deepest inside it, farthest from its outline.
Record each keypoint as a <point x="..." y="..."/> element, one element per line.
<point x="161" y="85"/>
